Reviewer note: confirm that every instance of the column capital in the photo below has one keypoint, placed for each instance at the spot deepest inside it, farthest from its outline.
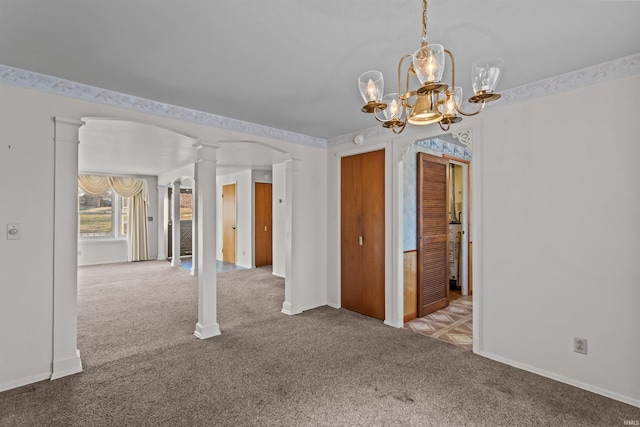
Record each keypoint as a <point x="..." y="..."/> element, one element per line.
<point x="205" y="144"/>
<point x="66" y="130"/>
<point x="206" y="151"/>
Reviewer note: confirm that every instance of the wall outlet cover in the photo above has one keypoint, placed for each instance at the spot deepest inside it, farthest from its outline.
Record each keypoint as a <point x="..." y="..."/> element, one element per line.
<point x="580" y="345"/>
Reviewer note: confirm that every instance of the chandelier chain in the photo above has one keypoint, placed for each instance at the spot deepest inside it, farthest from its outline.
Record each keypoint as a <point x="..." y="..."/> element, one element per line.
<point x="424" y="21"/>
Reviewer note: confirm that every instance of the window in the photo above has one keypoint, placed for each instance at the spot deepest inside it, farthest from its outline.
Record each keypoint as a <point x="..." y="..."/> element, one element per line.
<point x="124" y="215"/>
<point x="103" y="216"/>
<point x="186" y="208"/>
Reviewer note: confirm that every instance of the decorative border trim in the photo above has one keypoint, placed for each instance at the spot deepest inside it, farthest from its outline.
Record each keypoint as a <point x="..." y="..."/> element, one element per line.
<point x="30" y="80"/>
<point x="617" y="68"/>
<point x="446" y="147"/>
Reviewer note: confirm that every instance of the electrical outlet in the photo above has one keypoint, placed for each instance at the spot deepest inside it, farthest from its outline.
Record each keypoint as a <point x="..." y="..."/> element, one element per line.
<point x="580" y="345"/>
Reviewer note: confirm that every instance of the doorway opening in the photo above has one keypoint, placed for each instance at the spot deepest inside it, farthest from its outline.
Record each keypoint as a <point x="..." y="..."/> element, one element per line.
<point x="263" y="224"/>
<point x="185" y="222"/>
<point x="437" y="274"/>
<point x="229" y="223"/>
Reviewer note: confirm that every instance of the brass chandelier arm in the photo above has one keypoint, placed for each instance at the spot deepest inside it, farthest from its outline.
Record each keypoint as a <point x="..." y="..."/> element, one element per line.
<point x="400" y="92"/>
<point x="375" y="114"/>
<point x="453" y="68"/>
<point x="453" y="86"/>
<point x="399" y="128"/>
<point x="470" y="114"/>
<point x="444" y="128"/>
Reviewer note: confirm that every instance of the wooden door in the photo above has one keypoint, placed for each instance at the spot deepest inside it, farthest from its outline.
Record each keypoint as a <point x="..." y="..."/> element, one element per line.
<point x="229" y="223"/>
<point x="433" y="233"/>
<point x="362" y="233"/>
<point x="263" y="222"/>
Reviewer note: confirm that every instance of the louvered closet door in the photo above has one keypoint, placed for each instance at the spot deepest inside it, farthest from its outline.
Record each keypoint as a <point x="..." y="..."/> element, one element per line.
<point x="433" y="232"/>
<point x="362" y="233"/>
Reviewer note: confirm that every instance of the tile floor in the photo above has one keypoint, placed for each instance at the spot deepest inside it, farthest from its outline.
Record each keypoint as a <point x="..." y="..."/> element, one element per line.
<point x="452" y="324"/>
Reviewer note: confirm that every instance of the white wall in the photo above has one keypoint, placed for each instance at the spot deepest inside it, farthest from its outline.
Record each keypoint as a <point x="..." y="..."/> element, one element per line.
<point x="26" y="265"/>
<point x="556" y="202"/>
<point x="559" y="236"/>
<point x="26" y="194"/>
<point x="102" y="251"/>
<point x="278" y="215"/>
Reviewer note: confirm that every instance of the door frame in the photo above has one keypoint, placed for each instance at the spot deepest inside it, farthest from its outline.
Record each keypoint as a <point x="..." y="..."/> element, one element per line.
<point x="255" y="218"/>
<point x="393" y="298"/>
<point x="466" y="276"/>
<point x="235" y="220"/>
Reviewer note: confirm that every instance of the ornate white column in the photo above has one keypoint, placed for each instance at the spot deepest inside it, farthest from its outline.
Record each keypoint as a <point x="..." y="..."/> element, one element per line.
<point x="163" y="204"/>
<point x="288" y="304"/>
<point x="194" y="223"/>
<point x="175" y="221"/>
<point x="205" y="178"/>
<point x="66" y="357"/>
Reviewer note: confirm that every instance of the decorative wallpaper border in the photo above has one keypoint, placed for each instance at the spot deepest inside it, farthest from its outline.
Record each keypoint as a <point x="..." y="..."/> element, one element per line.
<point x="617" y="68"/>
<point x="446" y="147"/>
<point x="30" y="80"/>
<point x="614" y="69"/>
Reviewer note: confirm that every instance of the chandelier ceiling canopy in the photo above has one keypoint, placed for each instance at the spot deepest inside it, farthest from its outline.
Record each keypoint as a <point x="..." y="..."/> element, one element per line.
<point x="433" y="101"/>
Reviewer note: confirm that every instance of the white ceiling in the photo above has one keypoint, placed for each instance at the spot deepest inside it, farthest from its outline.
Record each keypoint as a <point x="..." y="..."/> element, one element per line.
<point x="293" y="64"/>
<point x="124" y="147"/>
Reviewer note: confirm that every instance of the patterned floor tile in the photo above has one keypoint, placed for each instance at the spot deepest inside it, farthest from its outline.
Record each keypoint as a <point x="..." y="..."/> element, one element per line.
<point x="452" y="324"/>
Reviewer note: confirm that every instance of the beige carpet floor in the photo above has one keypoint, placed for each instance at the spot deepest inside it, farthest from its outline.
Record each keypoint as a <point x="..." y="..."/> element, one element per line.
<point x="325" y="367"/>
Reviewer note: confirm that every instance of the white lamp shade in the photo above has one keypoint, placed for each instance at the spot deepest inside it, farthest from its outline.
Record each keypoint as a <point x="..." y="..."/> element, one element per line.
<point x="394" y="107"/>
<point x="447" y="100"/>
<point x="485" y="74"/>
<point x="428" y="62"/>
<point x="371" y="85"/>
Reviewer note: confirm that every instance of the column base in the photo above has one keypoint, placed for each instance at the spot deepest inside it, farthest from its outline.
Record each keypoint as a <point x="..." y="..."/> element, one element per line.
<point x="209" y="331"/>
<point x="70" y="366"/>
<point x="175" y="262"/>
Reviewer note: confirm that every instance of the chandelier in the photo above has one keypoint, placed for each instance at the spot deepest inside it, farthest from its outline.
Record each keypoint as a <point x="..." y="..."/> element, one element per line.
<point x="434" y="101"/>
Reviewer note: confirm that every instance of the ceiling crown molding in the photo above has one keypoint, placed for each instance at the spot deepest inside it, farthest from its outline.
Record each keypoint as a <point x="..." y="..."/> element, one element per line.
<point x="618" y="68"/>
<point x="41" y="82"/>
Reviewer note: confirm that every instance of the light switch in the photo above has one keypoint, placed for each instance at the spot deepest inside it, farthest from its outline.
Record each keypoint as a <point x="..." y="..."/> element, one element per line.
<point x="14" y="232"/>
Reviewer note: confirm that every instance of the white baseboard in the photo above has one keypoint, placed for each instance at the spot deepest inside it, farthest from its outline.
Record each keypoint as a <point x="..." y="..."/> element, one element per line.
<point x="286" y="308"/>
<point x="69" y="366"/>
<point x="279" y="275"/>
<point x="607" y="393"/>
<point x="393" y="324"/>
<point x="4" y="386"/>
<point x="333" y="305"/>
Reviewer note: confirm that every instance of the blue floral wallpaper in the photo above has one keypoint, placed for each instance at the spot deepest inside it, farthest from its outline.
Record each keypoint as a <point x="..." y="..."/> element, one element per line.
<point x="409" y="191"/>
